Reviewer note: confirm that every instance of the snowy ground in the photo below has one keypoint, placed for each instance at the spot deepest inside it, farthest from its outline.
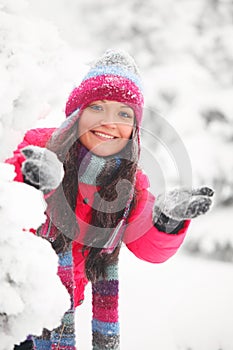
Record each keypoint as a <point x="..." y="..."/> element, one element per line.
<point x="183" y="304"/>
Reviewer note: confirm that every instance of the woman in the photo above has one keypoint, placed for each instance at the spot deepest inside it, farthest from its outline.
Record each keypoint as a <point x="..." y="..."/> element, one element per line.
<point x="103" y="199"/>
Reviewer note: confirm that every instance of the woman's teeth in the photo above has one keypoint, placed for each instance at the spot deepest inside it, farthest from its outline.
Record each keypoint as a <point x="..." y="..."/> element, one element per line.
<point x="103" y="135"/>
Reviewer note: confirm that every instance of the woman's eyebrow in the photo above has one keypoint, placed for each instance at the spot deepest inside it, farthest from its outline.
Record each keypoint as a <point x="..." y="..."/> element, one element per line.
<point x="124" y="106"/>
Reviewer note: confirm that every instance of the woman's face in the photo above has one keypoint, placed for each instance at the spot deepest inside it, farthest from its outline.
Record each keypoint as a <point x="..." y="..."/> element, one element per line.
<point x="105" y="127"/>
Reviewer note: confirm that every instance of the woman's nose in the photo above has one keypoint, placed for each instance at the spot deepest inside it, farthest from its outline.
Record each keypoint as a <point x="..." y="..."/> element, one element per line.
<point x="108" y="119"/>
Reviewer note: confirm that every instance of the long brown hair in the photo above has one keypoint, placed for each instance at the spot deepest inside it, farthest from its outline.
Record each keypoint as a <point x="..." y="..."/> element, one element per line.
<point x="62" y="203"/>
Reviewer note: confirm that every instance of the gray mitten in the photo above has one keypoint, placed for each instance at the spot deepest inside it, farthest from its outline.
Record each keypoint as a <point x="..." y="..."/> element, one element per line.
<point x="181" y="204"/>
<point x="42" y="169"/>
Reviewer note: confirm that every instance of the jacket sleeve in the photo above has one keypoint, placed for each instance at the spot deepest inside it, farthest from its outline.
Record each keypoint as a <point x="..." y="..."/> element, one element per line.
<point x="37" y="137"/>
<point x="143" y="239"/>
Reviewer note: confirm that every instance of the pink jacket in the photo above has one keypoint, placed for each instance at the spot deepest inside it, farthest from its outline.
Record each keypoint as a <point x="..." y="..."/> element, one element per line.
<point x="141" y="237"/>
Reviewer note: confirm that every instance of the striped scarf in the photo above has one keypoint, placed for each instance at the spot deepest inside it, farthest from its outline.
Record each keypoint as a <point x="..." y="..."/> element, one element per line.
<point x="105" y="325"/>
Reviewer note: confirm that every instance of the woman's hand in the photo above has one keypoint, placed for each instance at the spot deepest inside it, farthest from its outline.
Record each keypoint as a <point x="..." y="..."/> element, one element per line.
<point x="172" y="208"/>
<point x="42" y="168"/>
<point x="182" y="204"/>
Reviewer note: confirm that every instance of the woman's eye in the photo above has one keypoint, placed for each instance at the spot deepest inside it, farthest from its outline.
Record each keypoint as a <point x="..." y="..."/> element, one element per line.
<point x="96" y="107"/>
<point x="125" y="115"/>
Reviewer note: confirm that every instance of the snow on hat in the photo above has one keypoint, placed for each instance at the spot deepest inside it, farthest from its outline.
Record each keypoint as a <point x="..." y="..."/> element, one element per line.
<point x="115" y="77"/>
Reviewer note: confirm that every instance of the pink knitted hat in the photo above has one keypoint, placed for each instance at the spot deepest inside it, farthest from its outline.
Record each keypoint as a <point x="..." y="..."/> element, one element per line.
<point x="115" y="77"/>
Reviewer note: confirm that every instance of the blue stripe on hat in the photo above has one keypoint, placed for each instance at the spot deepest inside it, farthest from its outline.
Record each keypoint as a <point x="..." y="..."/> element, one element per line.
<point x="114" y="70"/>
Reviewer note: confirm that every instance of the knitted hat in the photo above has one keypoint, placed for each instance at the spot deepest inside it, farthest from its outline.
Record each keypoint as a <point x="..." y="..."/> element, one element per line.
<point x="115" y="77"/>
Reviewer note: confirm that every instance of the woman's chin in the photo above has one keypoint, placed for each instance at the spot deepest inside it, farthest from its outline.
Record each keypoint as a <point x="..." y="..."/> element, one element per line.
<point x="102" y="153"/>
<point x="106" y="150"/>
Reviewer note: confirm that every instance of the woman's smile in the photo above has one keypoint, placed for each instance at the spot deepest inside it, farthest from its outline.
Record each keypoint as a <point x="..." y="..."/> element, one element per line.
<point x="103" y="136"/>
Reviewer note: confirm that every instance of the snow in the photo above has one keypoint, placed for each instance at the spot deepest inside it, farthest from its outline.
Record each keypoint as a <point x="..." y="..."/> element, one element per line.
<point x="184" y="52"/>
<point x="185" y="303"/>
<point x="28" y="274"/>
<point x="30" y="70"/>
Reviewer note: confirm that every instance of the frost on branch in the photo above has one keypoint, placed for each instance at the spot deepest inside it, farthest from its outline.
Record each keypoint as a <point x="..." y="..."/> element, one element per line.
<point x="31" y="294"/>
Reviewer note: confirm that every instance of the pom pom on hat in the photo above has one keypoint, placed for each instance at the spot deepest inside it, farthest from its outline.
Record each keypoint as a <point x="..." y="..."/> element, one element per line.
<point x="115" y="77"/>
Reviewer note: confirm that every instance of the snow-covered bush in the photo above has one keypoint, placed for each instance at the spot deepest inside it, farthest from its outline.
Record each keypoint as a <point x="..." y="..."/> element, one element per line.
<point x="37" y="71"/>
<point x="28" y="273"/>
